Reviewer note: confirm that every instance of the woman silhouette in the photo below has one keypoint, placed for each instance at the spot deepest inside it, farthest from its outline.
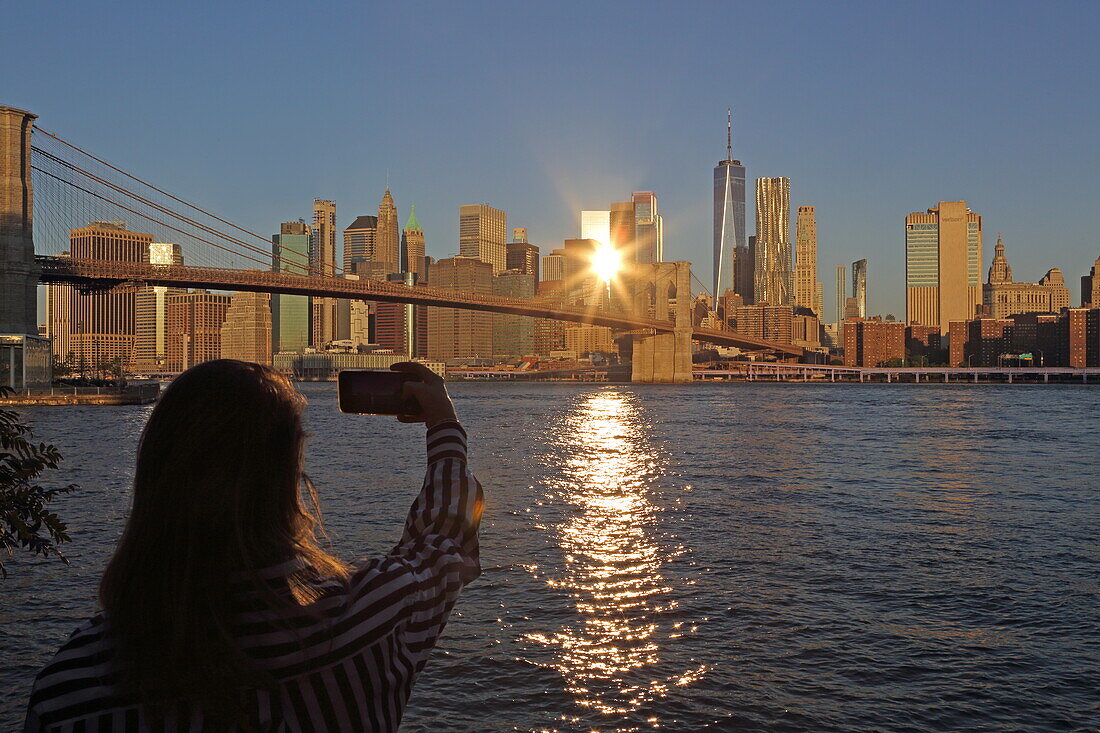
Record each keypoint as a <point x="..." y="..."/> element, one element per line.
<point x="220" y="609"/>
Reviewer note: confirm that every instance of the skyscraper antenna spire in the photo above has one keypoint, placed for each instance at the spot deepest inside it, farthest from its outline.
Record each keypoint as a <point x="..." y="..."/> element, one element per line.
<point x="729" y="134"/>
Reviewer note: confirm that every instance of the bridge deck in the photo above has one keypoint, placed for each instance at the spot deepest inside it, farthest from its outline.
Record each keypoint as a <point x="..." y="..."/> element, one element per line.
<point x="98" y="273"/>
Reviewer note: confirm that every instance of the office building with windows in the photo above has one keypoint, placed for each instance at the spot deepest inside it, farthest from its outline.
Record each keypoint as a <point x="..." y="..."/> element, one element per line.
<point x="596" y="225"/>
<point x="290" y="313"/>
<point x="732" y="263"/>
<point x="943" y="258"/>
<point x="359" y="239"/>
<point x="455" y="333"/>
<point x="1002" y="297"/>
<point x="648" y="228"/>
<point x="246" y="332"/>
<point x="482" y="235"/>
<point x="322" y="260"/>
<point x="522" y="255"/>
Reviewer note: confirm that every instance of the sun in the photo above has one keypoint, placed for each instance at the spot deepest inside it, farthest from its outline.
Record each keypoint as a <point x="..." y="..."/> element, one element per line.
<point x="606" y="262"/>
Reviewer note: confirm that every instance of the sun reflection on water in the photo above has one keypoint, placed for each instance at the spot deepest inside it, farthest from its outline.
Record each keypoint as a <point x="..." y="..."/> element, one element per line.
<point x="608" y="652"/>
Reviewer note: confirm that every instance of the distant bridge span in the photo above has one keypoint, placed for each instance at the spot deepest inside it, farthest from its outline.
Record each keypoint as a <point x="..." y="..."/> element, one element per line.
<point x="107" y="274"/>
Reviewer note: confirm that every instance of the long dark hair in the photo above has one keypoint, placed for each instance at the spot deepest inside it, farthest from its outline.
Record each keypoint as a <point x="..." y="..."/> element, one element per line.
<point x="218" y="494"/>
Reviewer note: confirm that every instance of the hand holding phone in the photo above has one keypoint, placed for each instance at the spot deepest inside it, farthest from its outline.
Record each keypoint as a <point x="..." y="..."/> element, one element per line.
<point x="409" y="390"/>
<point x="429" y="391"/>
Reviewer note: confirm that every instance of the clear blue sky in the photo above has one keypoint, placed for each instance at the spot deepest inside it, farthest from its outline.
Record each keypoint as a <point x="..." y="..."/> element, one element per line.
<point x="872" y="109"/>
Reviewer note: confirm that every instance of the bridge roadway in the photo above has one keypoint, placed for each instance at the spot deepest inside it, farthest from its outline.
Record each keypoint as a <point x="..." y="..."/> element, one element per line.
<point x="107" y="274"/>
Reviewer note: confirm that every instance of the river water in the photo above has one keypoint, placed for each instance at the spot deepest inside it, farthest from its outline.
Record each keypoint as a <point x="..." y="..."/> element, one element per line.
<point x="706" y="557"/>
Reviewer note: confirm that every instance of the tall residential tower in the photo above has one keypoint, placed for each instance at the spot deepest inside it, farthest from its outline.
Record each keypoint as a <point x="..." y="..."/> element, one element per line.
<point x="859" y="286"/>
<point x="322" y="260"/>
<point x="807" y="289"/>
<point x="773" y="244"/>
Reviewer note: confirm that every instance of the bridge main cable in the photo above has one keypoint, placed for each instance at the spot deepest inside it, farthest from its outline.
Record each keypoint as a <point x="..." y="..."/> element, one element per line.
<point x="158" y="207"/>
<point x="265" y="263"/>
<point x="148" y="203"/>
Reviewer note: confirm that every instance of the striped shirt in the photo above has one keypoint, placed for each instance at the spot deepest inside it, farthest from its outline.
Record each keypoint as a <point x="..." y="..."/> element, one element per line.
<point x="346" y="662"/>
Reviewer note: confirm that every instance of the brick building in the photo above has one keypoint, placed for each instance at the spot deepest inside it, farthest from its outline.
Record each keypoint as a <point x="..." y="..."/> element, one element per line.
<point x="873" y="342"/>
<point x="924" y="344"/>
<point x="193" y="331"/>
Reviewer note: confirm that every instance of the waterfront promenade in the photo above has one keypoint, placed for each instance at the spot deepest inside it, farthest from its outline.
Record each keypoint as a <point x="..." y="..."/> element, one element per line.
<point x="134" y="394"/>
<point x="777" y="372"/>
<point x="782" y="372"/>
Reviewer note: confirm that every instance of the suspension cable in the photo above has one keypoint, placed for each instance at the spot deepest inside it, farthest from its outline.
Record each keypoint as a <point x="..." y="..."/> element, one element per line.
<point x="165" y="193"/>
<point x="147" y="217"/>
<point x="151" y="204"/>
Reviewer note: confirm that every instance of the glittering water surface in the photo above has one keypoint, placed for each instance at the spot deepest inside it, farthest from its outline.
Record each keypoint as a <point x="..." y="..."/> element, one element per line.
<point x="706" y="557"/>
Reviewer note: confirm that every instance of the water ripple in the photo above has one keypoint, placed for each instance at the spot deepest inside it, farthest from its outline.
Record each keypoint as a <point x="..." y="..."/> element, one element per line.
<point x="712" y="557"/>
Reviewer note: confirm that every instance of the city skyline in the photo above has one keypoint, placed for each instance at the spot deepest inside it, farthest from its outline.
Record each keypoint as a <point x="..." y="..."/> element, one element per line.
<point x="530" y="157"/>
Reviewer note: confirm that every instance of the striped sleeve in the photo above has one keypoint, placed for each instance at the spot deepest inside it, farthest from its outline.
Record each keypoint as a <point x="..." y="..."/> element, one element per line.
<point x="440" y="541"/>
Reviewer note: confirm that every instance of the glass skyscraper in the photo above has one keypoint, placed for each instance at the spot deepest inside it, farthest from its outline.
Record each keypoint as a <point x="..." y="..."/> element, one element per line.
<point x="290" y="313"/>
<point x="859" y="286"/>
<point x="596" y="225"/>
<point x="732" y="265"/>
<point x="648" y="228"/>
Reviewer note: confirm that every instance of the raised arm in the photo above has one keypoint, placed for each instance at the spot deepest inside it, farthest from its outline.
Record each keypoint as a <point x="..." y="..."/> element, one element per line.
<point x="439" y="544"/>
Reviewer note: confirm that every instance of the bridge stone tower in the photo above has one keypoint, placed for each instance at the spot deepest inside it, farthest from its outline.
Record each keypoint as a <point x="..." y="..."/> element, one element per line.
<point x="662" y="290"/>
<point x="18" y="274"/>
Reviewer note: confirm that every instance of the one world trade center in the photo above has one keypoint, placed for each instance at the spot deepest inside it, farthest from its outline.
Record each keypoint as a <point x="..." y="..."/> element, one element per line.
<point x="733" y="267"/>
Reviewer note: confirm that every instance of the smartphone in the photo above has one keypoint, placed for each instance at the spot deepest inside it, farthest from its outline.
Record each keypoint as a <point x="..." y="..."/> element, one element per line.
<point x="368" y="391"/>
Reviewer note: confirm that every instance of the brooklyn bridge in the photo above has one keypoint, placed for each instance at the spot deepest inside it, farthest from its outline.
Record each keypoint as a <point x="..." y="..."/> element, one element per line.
<point x="651" y="302"/>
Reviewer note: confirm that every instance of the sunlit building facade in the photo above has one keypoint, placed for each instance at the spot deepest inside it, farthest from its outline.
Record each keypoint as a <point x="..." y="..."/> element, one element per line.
<point x="550" y="332"/>
<point x="732" y="263"/>
<point x="943" y="258"/>
<point x="584" y="339"/>
<point x="871" y="342"/>
<point x="454" y="333"/>
<point x="1002" y="297"/>
<point x="412" y="246"/>
<point x="1090" y="287"/>
<point x="772" y="257"/>
<point x="195" y="322"/>
<point x="104" y="323"/>
<point x="859" y="287"/>
<point x="359" y="239"/>
<point x="150" y="342"/>
<point x="246" y="332"/>
<point x="387" y="243"/>
<point x="807" y="288"/>
<point x="596" y="225"/>
<point x="523" y="256"/>
<point x="482" y="235"/>
<point x="322" y="260"/>
<point x="623" y="236"/>
<point x="553" y="268"/>
<point x="59" y="310"/>
<point x="648" y="228"/>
